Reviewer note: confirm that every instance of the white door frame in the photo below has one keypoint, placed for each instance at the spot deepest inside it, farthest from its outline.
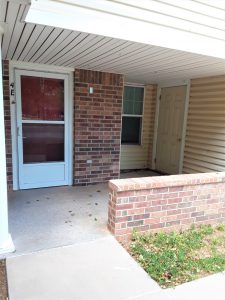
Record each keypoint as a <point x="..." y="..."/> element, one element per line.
<point x="15" y="65"/>
<point x="165" y="85"/>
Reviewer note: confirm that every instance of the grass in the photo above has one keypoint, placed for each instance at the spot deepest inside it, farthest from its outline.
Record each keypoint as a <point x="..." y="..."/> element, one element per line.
<point x="178" y="257"/>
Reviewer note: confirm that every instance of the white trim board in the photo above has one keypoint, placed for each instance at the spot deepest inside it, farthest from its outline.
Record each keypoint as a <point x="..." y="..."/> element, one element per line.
<point x="164" y="85"/>
<point x="13" y="65"/>
<point x="39" y="67"/>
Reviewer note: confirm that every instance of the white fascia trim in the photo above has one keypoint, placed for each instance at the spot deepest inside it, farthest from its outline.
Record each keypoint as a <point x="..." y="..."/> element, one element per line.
<point x="96" y="19"/>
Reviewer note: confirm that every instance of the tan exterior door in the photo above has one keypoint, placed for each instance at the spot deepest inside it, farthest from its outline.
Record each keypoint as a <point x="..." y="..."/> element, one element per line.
<point x="170" y="127"/>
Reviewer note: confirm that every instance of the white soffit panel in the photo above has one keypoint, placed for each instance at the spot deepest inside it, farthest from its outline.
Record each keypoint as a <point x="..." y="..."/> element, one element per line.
<point x="196" y="27"/>
<point x="140" y="63"/>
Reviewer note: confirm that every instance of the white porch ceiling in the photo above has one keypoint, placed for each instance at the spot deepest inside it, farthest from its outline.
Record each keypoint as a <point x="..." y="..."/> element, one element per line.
<point x="140" y="63"/>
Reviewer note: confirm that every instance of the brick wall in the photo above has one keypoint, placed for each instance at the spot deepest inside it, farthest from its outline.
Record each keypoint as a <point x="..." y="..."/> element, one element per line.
<point x="97" y="126"/>
<point x="6" y="99"/>
<point x="165" y="203"/>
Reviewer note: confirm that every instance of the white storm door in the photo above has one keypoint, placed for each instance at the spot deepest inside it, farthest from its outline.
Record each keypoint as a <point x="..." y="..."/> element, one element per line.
<point x="170" y="128"/>
<point x="42" y="128"/>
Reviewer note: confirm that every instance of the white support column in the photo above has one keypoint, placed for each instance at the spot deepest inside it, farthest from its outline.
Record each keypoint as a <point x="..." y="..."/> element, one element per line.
<point x="6" y="244"/>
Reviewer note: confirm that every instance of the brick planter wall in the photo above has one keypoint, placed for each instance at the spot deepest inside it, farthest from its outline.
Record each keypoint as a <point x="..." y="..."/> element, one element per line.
<point x="6" y="99"/>
<point x="97" y="126"/>
<point x="165" y="202"/>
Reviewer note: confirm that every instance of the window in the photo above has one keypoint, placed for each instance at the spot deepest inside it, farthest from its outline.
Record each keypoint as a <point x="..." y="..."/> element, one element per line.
<point x="132" y="115"/>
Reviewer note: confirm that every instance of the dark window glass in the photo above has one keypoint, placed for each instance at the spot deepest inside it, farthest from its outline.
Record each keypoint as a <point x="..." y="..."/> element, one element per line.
<point x="131" y="130"/>
<point x="42" y="98"/>
<point x="43" y="143"/>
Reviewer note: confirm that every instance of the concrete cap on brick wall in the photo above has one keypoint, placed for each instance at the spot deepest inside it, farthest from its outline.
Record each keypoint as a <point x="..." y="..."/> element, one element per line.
<point x="165" y="181"/>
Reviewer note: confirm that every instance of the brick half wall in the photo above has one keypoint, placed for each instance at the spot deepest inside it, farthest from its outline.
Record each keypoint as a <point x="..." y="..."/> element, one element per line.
<point x="97" y="126"/>
<point x="165" y="203"/>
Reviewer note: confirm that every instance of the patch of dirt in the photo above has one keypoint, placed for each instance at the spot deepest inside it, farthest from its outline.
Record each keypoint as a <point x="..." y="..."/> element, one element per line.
<point x="3" y="281"/>
<point x="213" y="242"/>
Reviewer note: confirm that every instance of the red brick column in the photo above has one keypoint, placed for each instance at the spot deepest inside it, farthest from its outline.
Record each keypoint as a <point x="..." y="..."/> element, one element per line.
<point x="165" y="203"/>
<point x="97" y="126"/>
<point x="5" y="65"/>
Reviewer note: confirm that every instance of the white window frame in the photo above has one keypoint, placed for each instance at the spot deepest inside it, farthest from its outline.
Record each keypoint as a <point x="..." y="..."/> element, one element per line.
<point x="135" y="116"/>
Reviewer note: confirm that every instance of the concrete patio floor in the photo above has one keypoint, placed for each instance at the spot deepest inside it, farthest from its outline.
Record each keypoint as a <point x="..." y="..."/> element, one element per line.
<point x="52" y="217"/>
<point x="138" y="173"/>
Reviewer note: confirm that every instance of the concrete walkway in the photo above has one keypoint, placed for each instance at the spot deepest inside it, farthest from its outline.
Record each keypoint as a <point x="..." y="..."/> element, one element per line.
<point x="96" y="270"/>
<point x="207" y="288"/>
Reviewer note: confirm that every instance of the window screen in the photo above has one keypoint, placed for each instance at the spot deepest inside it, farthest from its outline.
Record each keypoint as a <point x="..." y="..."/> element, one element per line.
<point x="133" y="100"/>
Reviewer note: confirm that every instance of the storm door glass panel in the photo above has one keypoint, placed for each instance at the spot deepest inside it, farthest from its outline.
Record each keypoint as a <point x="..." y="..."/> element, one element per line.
<point x="43" y="143"/>
<point x="42" y="119"/>
<point x="42" y="98"/>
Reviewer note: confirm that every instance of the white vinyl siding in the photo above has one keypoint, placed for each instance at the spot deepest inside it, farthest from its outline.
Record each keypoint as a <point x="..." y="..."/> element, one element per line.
<point x="205" y="135"/>
<point x="140" y="156"/>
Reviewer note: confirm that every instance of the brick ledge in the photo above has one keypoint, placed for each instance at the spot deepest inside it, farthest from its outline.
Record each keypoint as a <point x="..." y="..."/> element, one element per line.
<point x="142" y="183"/>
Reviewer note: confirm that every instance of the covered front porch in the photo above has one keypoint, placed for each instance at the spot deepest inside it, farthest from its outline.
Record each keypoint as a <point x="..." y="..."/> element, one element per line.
<point x="96" y="129"/>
